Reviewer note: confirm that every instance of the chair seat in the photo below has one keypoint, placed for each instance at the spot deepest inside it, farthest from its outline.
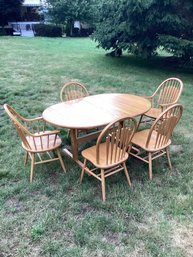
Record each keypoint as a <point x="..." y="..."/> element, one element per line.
<point x="153" y="113"/>
<point x="42" y="145"/>
<point x="140" y="139"/>
<point x="90" y="154"/>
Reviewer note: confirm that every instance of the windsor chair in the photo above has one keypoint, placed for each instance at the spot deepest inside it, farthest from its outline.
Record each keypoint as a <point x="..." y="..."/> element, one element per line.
<point x="167" y="94"/>
<point x="152" y="143"/>
<point x="111" y="151"/>
<point x="73" y="90"/>
<point x="36" y="141"/>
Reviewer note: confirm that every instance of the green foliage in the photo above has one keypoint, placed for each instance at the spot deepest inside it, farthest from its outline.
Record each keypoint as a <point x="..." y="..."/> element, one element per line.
<point x="66" y="12"/>
<point x="48" y="30"/>
<point x="177" y="46"/>
<point x="6" y="31"/>
<point x="2" y="32"/>
<point x="136" y="25"/>
<point x="9" y="10"/>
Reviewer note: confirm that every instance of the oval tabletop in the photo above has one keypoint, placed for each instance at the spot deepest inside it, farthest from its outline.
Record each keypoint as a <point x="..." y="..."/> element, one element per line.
<point x="95" y="111"/>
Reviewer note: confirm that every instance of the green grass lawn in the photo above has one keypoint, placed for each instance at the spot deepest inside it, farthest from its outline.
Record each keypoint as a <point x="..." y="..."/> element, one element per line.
<point x="55" y="215"/>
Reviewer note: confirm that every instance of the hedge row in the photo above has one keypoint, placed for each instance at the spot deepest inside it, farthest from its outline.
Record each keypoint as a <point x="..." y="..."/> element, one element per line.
<point x="6" y="31"/>
<point x="47" y="30"/>
<point x="50" y="30"/>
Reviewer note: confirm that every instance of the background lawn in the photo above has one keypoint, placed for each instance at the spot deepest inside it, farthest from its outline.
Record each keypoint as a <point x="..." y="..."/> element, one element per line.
<point x="55" y="215"/>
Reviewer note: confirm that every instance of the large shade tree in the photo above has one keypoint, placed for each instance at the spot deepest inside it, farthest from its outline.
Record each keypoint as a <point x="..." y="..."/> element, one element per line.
<point x="9" y="10"/>
<point x="141" y="26"/>
<point x="66" y="12"/>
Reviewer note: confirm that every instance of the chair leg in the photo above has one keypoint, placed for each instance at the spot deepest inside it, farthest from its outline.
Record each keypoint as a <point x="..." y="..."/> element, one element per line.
<point x="32" y="166"/>
<point x="25" y="158"/>
<point x="150" y="166"/>
<point x="83" y="170"/>
<point x="139" y="122"/>
<point x="127" y="174"/>
<point x="68" y="133"/>
<point x="103" y="185"/>
<point x="168" y="157"/>
<point x="60" y="159"/>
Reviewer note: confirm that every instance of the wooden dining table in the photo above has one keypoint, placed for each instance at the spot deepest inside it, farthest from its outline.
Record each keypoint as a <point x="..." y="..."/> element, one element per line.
<point x="92" y="112"/>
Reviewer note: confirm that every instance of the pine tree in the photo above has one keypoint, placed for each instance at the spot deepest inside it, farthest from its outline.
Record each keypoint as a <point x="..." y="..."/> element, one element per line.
<point x="141" y="26"/>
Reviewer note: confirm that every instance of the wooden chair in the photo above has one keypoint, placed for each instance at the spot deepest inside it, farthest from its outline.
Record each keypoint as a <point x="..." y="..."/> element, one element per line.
<point x="109" y="157"/>
<point x="167" y="94"/>
<point x="73" y="90"/>
<point x="154" y="142"/>
<point x="36" y="141"/>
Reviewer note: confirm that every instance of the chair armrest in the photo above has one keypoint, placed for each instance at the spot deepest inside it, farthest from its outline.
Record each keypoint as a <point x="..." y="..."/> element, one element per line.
<point x="47" y="133"/>
<point x="165" y="106"/>
<point x="150" y="98"/>
<point x="146" y="96"/>
<point x="34" y="119"/>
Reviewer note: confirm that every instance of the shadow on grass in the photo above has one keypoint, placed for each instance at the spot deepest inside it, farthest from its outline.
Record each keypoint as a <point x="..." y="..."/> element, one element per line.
<point x="157" y="62"/>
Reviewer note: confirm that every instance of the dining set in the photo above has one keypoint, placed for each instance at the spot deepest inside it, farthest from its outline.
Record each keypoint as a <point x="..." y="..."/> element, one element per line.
<point x="119" y="124"/>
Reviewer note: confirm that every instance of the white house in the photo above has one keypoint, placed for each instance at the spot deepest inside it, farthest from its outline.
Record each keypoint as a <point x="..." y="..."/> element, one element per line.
<point x="31" y="13"/>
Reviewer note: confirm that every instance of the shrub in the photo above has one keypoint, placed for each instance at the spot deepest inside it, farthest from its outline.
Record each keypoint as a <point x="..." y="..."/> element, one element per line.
<point x="2" y="32"/>
<point x="47" y="30"/>
<point x="6" y="31"/>
<point x="9" y="31"/>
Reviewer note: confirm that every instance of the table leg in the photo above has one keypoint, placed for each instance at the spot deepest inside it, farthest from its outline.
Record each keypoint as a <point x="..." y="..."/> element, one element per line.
<point x="74" y="143"/>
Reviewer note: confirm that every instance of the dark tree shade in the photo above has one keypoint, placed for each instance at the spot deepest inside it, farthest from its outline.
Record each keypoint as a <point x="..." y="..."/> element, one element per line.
<point x="141" y="26"/>
<point x="9" y="10"/>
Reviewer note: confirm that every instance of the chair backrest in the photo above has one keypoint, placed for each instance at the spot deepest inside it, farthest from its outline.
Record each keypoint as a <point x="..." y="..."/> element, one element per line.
<point x="162" y="128"/>
<point x="117" y="136"/>
<point x="17" y="121"/>
<point x="73" y="90"/>
<point x="168" y="92"/>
